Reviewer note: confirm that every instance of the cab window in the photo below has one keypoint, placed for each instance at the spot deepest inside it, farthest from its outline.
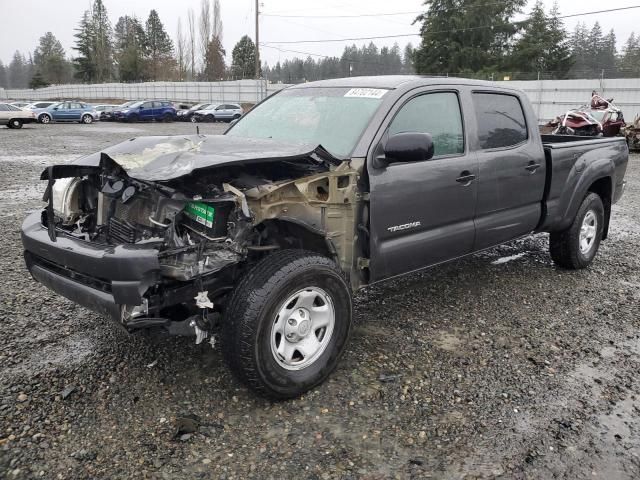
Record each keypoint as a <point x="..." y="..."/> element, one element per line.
<point x="437" y="114"/>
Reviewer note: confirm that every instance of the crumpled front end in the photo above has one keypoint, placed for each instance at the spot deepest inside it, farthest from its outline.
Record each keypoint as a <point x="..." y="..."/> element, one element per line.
<point x="164" y="253"/>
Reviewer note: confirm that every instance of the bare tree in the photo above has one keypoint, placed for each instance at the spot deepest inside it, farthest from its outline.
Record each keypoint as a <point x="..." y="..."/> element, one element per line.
<point x="181" y="50"/>
<point x="191" y="45"/>
<point x="217" y="21"/>
<point x="204" y="29"/>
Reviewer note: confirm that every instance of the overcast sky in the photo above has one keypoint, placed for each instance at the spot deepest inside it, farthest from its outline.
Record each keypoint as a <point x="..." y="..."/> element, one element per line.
<point x="26" y="20"/>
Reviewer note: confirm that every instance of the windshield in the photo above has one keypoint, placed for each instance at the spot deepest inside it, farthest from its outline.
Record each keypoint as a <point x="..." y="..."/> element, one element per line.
<point x="332" y="117"/>
<point x="135" y="105"/>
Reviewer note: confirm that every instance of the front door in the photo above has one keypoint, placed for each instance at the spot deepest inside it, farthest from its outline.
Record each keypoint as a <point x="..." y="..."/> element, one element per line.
<point x="146" y="111"/>
<point x="422" y="213"/>
<point x="512" y="170"/>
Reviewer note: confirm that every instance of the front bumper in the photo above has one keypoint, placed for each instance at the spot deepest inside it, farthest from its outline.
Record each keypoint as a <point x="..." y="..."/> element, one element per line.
<point x="99" y="277"/>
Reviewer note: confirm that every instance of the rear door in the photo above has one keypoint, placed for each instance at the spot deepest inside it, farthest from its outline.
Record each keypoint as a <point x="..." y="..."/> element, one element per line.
<point x="512" y="170"/>
<point x="75" y="111"/>
<point x="422" y="212"/>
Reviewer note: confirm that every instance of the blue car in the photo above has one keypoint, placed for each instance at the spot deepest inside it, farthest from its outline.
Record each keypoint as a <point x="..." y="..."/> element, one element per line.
<point x="69" y="112"/>
<point x="159" y="110"/>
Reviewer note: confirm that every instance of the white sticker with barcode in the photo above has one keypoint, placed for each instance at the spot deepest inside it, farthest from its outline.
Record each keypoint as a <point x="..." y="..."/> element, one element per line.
<point x="366" y="92"/>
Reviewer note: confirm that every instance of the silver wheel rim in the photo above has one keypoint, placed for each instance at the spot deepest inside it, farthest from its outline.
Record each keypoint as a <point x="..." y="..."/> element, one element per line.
<point x="45" y="119"/>
<point x="193" y="119"/>
<point x="87" y="119"/>
<point x="302" y="328"/>
<point x="588" y="232"/>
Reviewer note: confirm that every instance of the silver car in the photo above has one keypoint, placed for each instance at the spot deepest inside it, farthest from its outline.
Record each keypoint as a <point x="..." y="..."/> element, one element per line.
<point x="225" y="112"/>
<point x="14" y="117"/>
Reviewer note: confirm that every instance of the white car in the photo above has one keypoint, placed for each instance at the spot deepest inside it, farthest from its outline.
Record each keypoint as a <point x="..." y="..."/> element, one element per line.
<point x="216" y="113"/>
<point x="39" y="105"/>
<point x="14" y="117"/>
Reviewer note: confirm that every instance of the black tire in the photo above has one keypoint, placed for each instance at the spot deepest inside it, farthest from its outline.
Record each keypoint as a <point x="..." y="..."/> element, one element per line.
<point x="15" y="123"/>
<point x="209" y="118"/>
<point x="133" y="118"/>
<point x="86" y="119"/>
<point x="45" y="118"/>
<point x="565" y="246"/>
<point x="252" y="313"/>
<point x="167" y="118"/>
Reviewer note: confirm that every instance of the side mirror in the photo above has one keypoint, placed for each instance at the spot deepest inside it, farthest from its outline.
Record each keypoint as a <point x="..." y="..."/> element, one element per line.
<point x="55" y="108"/>
<point x="406" y="147"/>
<point x="140" y="107"/>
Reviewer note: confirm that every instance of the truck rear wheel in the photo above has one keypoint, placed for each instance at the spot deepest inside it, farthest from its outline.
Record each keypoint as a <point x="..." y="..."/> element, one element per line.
<point x="287" y="323"/>
<point x="576" y="247"/>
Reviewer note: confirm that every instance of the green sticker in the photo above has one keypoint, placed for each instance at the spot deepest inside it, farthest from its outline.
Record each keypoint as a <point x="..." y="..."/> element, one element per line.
<point x="201" y="213"/>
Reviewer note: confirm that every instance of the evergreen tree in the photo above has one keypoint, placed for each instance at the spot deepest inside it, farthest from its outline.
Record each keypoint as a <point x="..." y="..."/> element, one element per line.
<point x="18" y="72"/>
<point x="85" y="61"/>
<point x="407" y="59"/>
<point x="159" y="48"/>
<point x="38" y="81"/>
<point x="50" y="62"/>
<point x="4" y="80"/>
<point x="465" y="35"/>
<point x="542" y="47"/>
<point x="94" y="45"/>
<point x="130" y="49"/>
<point x="102" y="42"/>
<point x="560" y="55"/>
<point x="629" y="62"/>
<point x="244" y="58"/>
<point x="214" y="66"/>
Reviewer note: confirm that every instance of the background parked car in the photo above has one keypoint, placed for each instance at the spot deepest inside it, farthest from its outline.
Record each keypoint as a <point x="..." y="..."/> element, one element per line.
<point x="111" y="116"/>
<point x="19" y="104"/>
<point x="187" y="115"/>
<point x="225" y="112"/>
<point x="69" y="112"/>
<point x="14" y="117"/>
<point x="39" y="107"/>
<point x="104" y="109"/>
<point x="148" y="110"/>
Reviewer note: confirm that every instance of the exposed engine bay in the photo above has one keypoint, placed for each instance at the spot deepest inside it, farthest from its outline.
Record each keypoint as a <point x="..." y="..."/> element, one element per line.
<point x="205" y="223"/>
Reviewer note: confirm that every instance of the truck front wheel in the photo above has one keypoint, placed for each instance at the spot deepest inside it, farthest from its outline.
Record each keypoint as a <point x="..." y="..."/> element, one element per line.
<point x="576" y="247"/>
<point x="287" y="323"/>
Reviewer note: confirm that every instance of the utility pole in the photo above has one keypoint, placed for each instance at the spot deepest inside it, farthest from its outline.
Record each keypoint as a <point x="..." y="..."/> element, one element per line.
<point x="257" y="41"/>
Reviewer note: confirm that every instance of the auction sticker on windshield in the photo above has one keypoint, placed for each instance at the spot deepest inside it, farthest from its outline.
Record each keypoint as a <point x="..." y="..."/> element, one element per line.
<point x="366" y="92"/>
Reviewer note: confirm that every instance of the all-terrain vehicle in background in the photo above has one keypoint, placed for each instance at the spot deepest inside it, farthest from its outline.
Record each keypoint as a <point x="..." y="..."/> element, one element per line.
<point x="263" y="233"/>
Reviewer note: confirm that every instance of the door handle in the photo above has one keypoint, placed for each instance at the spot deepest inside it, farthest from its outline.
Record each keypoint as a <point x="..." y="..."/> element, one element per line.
<point x="532" y="167"/>
<point x="466" y="178"/>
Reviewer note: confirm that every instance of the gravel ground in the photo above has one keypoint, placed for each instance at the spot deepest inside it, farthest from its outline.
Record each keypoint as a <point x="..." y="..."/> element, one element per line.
<point x="498" y="365"/>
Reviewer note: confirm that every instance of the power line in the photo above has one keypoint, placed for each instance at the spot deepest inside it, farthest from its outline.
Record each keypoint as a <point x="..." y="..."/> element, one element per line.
<point x="518" y="23"/>
<point x="342" y="16"/>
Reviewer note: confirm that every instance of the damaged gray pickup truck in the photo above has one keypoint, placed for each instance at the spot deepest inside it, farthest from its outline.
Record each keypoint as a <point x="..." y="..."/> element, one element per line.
<point x="262" y="234"/>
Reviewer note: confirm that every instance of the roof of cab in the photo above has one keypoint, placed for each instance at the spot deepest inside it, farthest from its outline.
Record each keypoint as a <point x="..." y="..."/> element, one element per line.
<point x="395" y="82"/>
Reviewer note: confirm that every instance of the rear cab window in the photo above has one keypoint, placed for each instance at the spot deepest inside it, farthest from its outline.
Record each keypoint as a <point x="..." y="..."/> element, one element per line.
<point x="500" y="119"/>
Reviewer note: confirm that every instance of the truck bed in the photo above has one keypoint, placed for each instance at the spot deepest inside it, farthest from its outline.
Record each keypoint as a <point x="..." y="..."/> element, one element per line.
<point x="572" y="161"/>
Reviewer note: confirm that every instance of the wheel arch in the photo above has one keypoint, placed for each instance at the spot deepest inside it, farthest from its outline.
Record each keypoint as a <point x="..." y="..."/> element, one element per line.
<point x="292" y="233"/>
<point x="603" y="187"/>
